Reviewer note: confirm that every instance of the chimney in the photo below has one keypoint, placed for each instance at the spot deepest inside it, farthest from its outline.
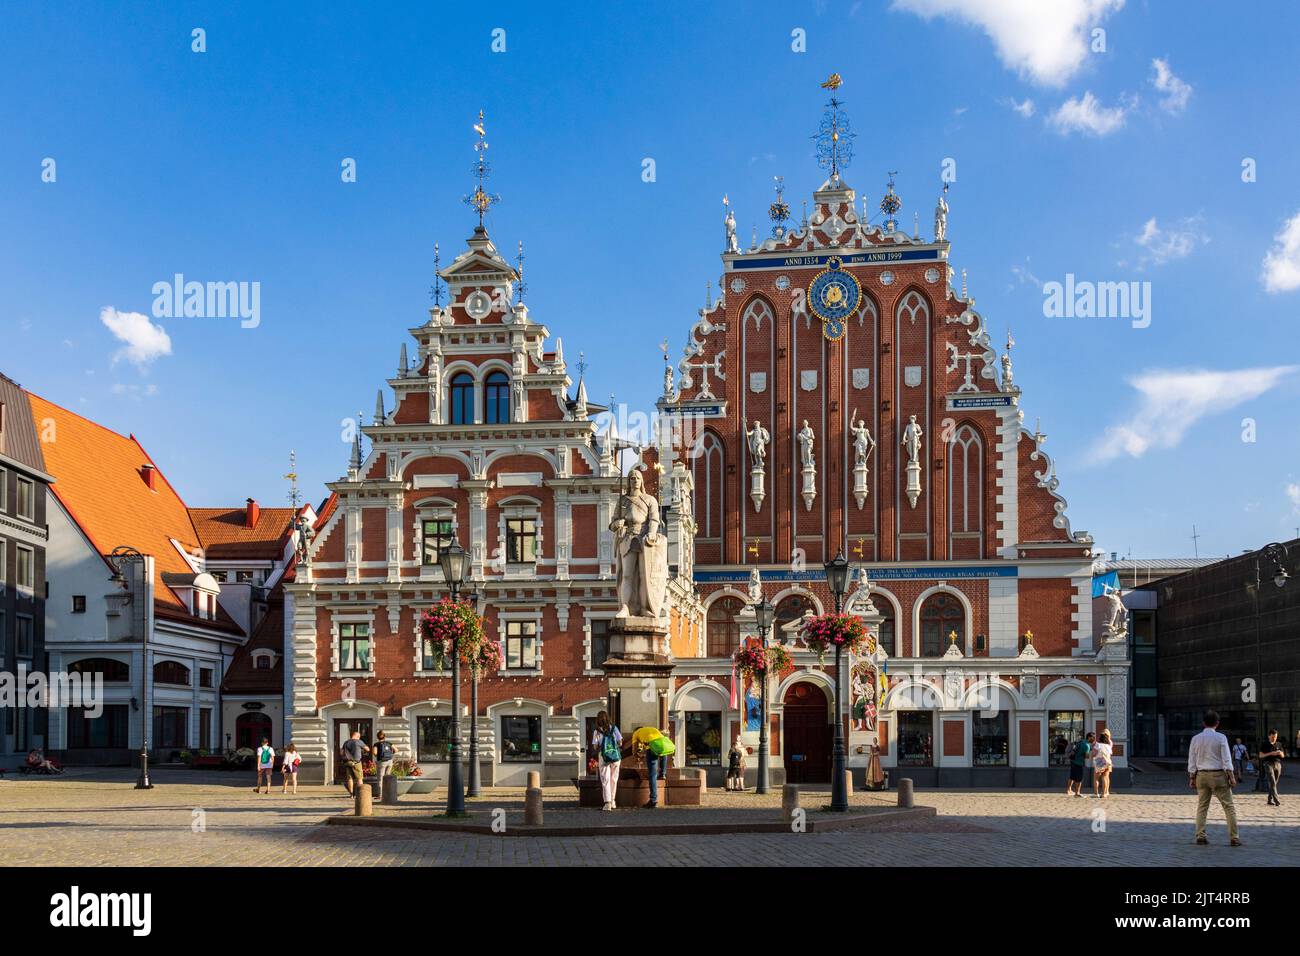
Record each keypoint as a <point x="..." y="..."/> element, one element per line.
<point x="148" y="473"/>
<point x="251" y="513"/>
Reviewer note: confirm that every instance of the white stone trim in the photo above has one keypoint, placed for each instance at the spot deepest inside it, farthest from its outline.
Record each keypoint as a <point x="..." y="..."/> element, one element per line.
<point x="942" y="588"/>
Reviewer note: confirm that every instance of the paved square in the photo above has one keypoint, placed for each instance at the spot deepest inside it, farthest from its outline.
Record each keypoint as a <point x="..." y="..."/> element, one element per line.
<point x="96" y="818"/>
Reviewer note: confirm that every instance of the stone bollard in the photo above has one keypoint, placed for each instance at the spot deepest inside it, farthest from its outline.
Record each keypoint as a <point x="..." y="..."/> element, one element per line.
<point x="789" y="799"/>
<point x="533" y="807"/>
<point x="389" y="797"/>
<point x="848" y="782"/>
<point x="534" y="780"/>
<point x="364" y="802"/>
<point x="905" y="792"/>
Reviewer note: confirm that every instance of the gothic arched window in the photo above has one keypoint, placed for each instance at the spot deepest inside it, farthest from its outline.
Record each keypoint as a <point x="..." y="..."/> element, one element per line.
<point x="913" y="307"/>
<point x="791" y="609"/>
<point x="758" y="310"/>
<point x="966" y="493"/>
<point x="887" y="636"/>
<point x="462" y="399"/>
<point x="710" y="477"/>
<point x="941" y="616"/>
<point x="496" y="398"/>
<point x="723" y="629"/>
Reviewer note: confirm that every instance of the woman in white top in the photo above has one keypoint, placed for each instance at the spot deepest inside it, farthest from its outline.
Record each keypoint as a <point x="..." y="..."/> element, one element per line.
<point x="289" y="767"/>
<point x="608" y="743"/>
<point x="1102" y="765"/>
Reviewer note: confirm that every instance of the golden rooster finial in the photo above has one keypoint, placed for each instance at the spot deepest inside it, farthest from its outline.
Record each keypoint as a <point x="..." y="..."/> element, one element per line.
<point x="833" y="82"/>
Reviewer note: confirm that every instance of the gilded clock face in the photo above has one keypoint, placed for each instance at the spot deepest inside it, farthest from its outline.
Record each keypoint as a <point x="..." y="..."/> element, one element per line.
<point x="834" y="294"/>
<point x="833" y="329"/>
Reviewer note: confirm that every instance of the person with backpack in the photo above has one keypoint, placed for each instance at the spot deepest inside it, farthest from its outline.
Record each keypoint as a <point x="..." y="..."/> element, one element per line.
<point x="1078" y="763"/>
<point x="608" y="743"/>
<point x="265" y="765"/>
<point x="384" y="755"/>
<point x="289" y="767"/>
<point x="657" y="748"/>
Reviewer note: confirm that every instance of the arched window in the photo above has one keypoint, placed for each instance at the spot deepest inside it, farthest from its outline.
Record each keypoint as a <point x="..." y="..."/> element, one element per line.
<point x="710" y="475"/>
<point x="171" y="672"/>
<point x="966" y="493"/>
<point x="887" y="637"/>
<point x="724" y="631"/>
<point x="462" y="399"/>
<point x="758" y="310"/>
<point x="791" y="609"/>
<point x="868" y="311"/>
<point x="941" y="616"/>
<point x="111" y="669"/>
<point x="496" y="398"/>
<point x="913" y="307"/>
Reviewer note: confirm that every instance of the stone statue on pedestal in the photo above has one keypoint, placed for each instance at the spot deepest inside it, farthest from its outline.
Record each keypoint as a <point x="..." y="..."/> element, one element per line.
<point x="806" y="440"/>
<point x="758" y="438"/>
<point x="1116" y="626"/>
<point x="641" y="552"/>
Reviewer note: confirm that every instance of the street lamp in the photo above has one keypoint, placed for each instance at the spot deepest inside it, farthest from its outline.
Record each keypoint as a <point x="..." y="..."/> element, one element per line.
<point x="764" y="613"/>
<point x="837" y="577"/>
<point x="1277" y="553"/>
<point x="452" y="561"/>
<point x="119" y="558"/>
<point x="473" y="715"/>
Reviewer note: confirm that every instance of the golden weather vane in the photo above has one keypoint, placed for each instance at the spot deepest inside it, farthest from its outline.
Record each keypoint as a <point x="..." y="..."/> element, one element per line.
<point x="480" y="199"/>
<point x="833" y="82"/>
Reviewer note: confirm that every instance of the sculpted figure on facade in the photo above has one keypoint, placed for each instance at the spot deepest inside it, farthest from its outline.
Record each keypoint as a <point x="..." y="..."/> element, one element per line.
<point x="863" y="443"/>
<point x="806" y="441"/>
<point x="641" y="552"/>
<point x="758" y="439"/>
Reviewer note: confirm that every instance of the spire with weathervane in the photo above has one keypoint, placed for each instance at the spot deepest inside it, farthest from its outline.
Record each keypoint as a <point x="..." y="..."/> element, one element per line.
<point x="480" y="199"/>
<point x="834" y="138"/>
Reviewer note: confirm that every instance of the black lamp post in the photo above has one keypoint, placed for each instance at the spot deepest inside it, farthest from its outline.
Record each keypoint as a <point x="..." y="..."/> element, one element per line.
<point x="473" y="717"/>
<point x="1276" y="553"/>
<point x="837" y="577"/>
<point x="452" y="561"/>
<point x="119" y="558"/>
<point x="764" y="612"/>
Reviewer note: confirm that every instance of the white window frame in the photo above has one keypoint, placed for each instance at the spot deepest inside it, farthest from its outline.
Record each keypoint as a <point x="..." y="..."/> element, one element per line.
<point x="432" y="509"/>
<point x="31" y="633"/>
<point x="588" y="616"/>
<point x="513" y="509"/>
<point x="26" y="589"/>
<point x="19" y="483"/>
<point x="363" y="617"/>
<point x="533" y="617"/>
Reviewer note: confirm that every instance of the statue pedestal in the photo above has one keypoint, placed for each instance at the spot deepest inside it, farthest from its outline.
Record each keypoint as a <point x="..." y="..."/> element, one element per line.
<point x="756" y="490"/>
<point x="639" y="673"/>
<point x="809" y="486"/>
<point x="913" y="482"/>
<point x="860" y="484"/>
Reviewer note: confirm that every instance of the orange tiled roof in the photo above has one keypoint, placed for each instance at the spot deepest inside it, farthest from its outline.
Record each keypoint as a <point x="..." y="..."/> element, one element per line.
<point x="98" y="480"/>
<point x="223" y="534"/>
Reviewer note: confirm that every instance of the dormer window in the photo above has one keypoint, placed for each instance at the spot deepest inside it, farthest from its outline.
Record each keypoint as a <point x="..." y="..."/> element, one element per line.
<point x="462" y="399"/>
<point x="496" y="398"/>
<point x="263" y="660"/>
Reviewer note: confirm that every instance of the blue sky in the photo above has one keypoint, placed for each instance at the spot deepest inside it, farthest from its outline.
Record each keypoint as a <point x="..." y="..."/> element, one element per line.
<point x="225" y="166"/>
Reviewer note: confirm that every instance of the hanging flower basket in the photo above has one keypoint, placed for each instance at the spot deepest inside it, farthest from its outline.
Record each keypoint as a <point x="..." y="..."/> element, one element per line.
<point x="753" y="661"/>
<point x="829" y="631"/>
<point x="450" y="624"/>
<point x="489" y="658"/>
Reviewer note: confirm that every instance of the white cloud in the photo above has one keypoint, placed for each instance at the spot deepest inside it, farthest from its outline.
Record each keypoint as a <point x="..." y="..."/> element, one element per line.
<point x="1024" y="276"/>
<point x="1166" y="245"/>
<point x="1282" y="263"/>
<point x="1087" y="115"/>
<point x="1045" y="41"/>
<point x="136" y="392"/>
<point x="1172" y="401"/>
<point x="1293" y="493"/>
<point x="1176" y="92"/>
<point x="1025" y="108"/>
<point x="144" y="341"/>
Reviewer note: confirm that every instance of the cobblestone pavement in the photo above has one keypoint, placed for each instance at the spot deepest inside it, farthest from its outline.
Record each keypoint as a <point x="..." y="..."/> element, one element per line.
<point x="96" y="818"/>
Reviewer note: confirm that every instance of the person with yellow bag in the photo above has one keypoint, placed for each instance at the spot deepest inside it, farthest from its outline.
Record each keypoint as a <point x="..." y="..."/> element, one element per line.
<point x="657" y="748"/>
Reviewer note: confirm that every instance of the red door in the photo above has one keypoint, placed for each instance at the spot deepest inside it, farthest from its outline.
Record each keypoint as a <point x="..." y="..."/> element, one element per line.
<point x="807" y="738"/>
<point x="250" y="728"/>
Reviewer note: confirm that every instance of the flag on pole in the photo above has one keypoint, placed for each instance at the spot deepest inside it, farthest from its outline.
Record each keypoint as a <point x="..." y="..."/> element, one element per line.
<point x="735" y="703"/>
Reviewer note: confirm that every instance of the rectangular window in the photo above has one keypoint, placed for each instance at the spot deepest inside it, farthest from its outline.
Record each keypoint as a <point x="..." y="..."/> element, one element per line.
<point x="243" y="577"/>
<point x="521" y="540"/>
<point x="221" y="577"/>
<point x="521" y="739"/>
<point x="205" y="728"/>
<point x="26" y="499"/>
<point x="170" y="728"/>
<point x="25" y="569"/>
<point x="205" y="676"/>
<point x="521" y="645"/>
<point x="354" y="647"/>
<point x="433" y="739"/>
<point x="78" y="604"/>
<point x="990" y="740"/>
<point x="24" y="637"/>
<point x="915" y="738"/>
<point x="599" y="641"/>
<point x="437" y="535"/>
<point x="1064" y="728"/>
<point x="703" y="738"/>
<point x="106" y="730"/>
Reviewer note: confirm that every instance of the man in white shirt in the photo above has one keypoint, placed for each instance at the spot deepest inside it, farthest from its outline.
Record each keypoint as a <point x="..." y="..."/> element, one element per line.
<point x="1210" y="774"/>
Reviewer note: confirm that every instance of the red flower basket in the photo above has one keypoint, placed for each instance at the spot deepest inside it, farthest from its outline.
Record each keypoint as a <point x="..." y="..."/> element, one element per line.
<point x="826" y="632"/>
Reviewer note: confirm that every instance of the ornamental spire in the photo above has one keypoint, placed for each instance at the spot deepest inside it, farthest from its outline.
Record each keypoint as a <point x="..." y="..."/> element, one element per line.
<point x="480" y="199"/>
<point x="834" y="138"/>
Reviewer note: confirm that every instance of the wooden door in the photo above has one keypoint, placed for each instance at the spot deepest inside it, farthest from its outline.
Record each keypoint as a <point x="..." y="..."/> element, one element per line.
<point x="808" y="735"/>
<point x="342" y="731"/>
